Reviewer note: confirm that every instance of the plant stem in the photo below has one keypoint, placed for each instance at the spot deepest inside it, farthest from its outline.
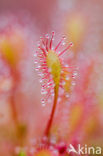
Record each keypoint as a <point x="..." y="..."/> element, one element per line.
<point x="47" y="132"/>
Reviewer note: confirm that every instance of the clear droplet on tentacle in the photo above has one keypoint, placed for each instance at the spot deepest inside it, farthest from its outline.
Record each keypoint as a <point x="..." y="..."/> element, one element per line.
<point x="75" y="73"/>
<point x="38" y="44"/>
<point x="73" y="83"/>
<point x="43" y="102"/>
<point x="67" y="77"/>
<point x="36" y="61"/>
<point x="43" y="91"/>
<point x="47" y="36"/>
<point x="37" y="68"/>
<point x="35" y="54"/>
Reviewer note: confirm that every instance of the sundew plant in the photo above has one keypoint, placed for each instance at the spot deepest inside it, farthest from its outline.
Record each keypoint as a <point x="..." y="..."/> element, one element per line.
<point x="54" y="74"/>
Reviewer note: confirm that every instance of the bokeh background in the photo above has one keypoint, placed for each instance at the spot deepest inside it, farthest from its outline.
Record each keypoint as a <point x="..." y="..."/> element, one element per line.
<point x="22" y="23"/>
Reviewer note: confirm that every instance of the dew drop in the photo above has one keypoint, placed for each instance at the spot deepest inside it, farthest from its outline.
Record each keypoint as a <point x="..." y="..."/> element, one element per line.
<point x="75" y="73"/>
<point x="43" y="102"/>
<point x="35" y="61"/>
<point x="41" y="74"/>
<point x="35" y="55"/>
<point x="40" y="80"/>
<point x="41" y="37"/>
<point x="63" y="43"/>
<point x="47" y="36"/>
<point x="38" y="45"/>
<point x="37" y="69"/>
<point x="43" y="92"/>
<point x="64" y="37"/>
<point x="67" y="78"/>
<point x="73" y="83"/>
<point x="48" y="87"/>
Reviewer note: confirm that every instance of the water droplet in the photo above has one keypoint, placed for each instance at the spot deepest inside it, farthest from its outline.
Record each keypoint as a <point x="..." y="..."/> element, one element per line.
<point x="38" y="66"/>
<point x="43" y="102"/>
<point x="63" y="43"/>
<point x="40" y="74"/>
<point x="41" y="37"/>
<point x="64" y="37"/>
<point x="67" y="78"/>
<point x="35" y="55"/>
<point x="75" y="73"/>
<point x="48" y="87"/>
<point x="38" y="45"/>
<point x="37" y="69"/>
<point x="47" y="36"/>
<point x="35" y="61"/>
<point x="73" y="83"/>
<point x="40" y="80"/>
<point x="43" y="91"/>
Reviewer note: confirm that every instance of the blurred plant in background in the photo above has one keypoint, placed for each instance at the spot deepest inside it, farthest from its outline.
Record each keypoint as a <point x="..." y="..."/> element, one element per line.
<point x="26" y="126"/>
